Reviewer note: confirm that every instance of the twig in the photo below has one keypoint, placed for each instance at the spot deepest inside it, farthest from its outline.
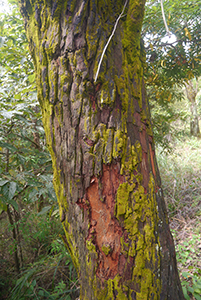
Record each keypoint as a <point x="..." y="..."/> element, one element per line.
<point x="115" y="26"/>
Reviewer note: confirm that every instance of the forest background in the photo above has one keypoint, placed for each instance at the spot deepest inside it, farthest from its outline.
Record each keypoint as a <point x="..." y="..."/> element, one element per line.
<point x="34" y="262"/>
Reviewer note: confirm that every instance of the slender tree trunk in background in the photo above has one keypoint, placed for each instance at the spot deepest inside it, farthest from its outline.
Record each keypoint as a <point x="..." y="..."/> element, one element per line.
<point x="191" y="95"/>
<point x="15" y="239"/>
<point x="101" y="142"/>
<point x="19" y="246"/>
<point x="12" y="221"/>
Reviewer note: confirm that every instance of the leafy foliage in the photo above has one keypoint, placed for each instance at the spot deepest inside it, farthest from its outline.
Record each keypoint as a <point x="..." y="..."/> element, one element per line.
<point x="57" y="268"/>
<point x="25" y="162"/>
<point x="47" y="263"/>
<point x="180" y="59"/>
<point x="170" y="61"/>
<point x="193" y="289"/>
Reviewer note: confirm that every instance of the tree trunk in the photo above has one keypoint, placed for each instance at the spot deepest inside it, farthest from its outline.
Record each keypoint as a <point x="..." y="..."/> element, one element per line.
<point x="15" y="239"/>
<point x="191" y="95"/>
<point x="101" y="142"/>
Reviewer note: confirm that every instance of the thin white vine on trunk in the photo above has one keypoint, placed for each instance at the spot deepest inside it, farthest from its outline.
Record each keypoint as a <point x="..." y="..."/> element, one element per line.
<point x="114" y="29"/>
<point x="164" y="19"/>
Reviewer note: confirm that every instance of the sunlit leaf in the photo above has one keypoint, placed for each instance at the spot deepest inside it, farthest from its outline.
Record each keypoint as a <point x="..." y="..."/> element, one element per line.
<point x="31" y="78"/>
<point x="7" y="114"/>
<point x="23" y="60"/>
<point x="187" y="33"/>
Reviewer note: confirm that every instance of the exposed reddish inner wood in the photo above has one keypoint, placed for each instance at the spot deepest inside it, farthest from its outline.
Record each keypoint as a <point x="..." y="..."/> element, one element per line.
<point x="105" y="231"/>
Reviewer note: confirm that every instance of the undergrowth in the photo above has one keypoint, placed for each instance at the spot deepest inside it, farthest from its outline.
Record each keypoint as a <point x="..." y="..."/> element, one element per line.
<point x="47" y="271"/>
<point x="181" y="179"/>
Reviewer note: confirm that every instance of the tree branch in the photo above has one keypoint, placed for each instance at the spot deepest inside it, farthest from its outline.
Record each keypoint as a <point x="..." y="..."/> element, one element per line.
<point x="164" y="19"/>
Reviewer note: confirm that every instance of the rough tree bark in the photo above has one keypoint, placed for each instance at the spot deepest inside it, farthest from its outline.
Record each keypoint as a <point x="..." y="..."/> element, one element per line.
<point x="191" y="93"/>
<point x="101" y="142"/>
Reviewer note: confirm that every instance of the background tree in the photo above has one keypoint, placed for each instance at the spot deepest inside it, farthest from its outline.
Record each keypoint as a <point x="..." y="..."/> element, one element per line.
<point x="171" y="62"/>
<point x="191" y="92"/>
<point x="100" y="139"/>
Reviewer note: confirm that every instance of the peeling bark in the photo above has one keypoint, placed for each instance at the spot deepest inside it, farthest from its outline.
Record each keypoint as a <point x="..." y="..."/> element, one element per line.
<point x="101" y="142"/>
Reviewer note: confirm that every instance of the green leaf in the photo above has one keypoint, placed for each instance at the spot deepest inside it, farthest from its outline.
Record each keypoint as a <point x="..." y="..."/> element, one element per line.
<point x="186" y="274"/>
<point x="2" y="182"/>
<point x="33" y="194"/>
<point x="3" y="207"/>
<point x="18" y="96"/>
<point x="41" y="293"/>
<point x="14" y="204"/>
<point x="197" y="297"/>
<point x="12" y="189"/>
<point x="21" y="118"/>
<point x="190" y="289"/>
<point x="8" y="146"/>
<point x="185" y="293"/>
<point x="33" y="283"/>
<point x="5" y="191"/>
<point x="31" y="78"/>
<point x="44" y="210"/>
